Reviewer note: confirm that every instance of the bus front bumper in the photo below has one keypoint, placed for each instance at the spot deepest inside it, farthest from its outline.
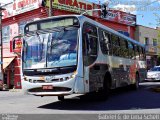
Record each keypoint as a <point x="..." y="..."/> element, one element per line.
<point x="51" y="90"/>
<point x="50" y="93"/>
<point x="55" y="88"/>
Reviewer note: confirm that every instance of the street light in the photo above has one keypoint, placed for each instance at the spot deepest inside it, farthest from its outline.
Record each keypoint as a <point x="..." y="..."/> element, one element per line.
<point x="1" y="41"/>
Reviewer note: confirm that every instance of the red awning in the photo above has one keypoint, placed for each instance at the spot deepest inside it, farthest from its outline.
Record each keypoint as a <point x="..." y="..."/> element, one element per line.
<point x="7" y="61"/>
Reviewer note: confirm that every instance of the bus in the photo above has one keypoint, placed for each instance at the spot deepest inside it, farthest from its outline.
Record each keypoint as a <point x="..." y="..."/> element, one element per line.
<point x="73" y="54"/>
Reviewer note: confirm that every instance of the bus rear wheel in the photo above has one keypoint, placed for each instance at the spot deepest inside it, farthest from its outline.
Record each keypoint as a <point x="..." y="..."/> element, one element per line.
<point x="61" y="98"/>
<point x="136" y="85"/>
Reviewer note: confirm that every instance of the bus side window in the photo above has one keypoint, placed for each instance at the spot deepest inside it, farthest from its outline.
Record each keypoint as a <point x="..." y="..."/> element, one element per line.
<point x="142" y="54"/>
<point x="115" y="45"/>
<point x="137" y="52"/>
<point x="90" y="43"/>
<point x="131" y="50"/>
<point x="123" y="48"/>
<point x="105" y="42"/>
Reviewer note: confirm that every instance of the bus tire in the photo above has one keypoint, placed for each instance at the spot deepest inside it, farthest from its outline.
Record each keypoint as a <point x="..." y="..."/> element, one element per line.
<point x="136" y="85"/>
<point x="61" y="98"/>
<point x="104" y="93"/>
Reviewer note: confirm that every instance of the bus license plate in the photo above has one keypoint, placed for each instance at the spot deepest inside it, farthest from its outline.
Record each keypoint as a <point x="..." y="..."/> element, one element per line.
<point x="47" y="87"/>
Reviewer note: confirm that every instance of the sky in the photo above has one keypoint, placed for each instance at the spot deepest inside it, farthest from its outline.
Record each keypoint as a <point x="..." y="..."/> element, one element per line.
<point x="5" y="1"/>
<point x="147" y="11"/>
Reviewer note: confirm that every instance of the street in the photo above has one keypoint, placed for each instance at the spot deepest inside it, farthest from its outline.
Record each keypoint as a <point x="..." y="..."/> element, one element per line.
<point x="144" y="100"/>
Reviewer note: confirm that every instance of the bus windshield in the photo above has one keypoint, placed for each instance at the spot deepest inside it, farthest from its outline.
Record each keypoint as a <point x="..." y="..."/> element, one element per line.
<point x="53" y="49"/>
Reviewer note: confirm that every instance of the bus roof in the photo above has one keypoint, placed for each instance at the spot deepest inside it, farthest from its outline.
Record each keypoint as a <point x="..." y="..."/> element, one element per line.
<point x="84" y="18"/>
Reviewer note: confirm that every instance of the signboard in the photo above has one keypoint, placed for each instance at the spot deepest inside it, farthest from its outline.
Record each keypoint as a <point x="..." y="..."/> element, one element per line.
<point x="9" y="32"/>
<point x="121" y="17"/>
<point x="20" y="6"/>
<point x="17" y="44"/>
<point x="8" y="12"/>
<point x="77" y="6"/>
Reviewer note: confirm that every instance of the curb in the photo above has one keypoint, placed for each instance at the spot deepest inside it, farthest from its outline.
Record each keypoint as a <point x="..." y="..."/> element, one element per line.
<point x="15" y="90"/>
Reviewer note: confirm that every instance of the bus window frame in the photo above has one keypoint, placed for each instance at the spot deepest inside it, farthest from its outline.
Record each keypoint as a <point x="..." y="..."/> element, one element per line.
<point x="115" y="45"/>
<point x="131" y="49"/>
<point x="84" y="42"/>
<point x="137" y="51"/>
<point x="101" y="32"/>
<point x="126" y="47"/>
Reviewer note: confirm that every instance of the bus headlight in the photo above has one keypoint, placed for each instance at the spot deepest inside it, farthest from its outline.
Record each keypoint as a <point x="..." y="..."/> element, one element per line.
<point x="74" y="74"/>
<point x="25" y="78"/>
<point x="68" y="77"/>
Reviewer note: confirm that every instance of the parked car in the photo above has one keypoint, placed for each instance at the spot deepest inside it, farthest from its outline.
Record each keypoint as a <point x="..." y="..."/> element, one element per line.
<point x="153" y="74"/>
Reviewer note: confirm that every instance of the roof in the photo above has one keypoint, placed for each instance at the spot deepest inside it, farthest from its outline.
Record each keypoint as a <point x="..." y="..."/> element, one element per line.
<point x="146" y="27"/>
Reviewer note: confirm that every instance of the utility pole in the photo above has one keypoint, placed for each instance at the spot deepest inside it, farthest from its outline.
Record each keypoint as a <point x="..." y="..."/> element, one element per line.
<point x="1" y="42"/>
<point x="50" y="8"/>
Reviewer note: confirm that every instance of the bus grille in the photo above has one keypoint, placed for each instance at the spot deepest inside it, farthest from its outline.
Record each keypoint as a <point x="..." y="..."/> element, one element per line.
<point x="55" y="89"/>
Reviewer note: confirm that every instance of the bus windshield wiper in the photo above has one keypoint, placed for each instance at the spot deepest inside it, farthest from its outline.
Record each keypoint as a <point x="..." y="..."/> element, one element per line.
<point x="25" y="48"/>
<point x="38" y="36"/>
<point x="41" y="42"/>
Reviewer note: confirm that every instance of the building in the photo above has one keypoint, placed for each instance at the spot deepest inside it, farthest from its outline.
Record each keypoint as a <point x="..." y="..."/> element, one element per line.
<point x="16" y="15"/>
<point x="20" y="12"/>
<point x="149" y="37"/>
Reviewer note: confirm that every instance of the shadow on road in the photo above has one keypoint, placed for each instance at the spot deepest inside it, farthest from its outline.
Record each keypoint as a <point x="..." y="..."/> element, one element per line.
<point x="120" y="99"/>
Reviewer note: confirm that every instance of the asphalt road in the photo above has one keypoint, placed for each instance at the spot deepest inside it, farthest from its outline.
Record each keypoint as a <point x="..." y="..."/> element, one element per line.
<point x="143" y="100"/>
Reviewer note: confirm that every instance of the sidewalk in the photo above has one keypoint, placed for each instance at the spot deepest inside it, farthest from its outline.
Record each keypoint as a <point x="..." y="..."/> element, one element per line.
<point x="15" y="90"/>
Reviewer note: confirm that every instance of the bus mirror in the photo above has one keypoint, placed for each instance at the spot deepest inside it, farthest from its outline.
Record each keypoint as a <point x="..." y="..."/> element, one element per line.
<point x="22" y="57"/>
<point x="24" y="49"/>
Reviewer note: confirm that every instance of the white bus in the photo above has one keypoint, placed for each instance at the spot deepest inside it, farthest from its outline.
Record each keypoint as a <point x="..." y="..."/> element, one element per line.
<point x="73" y="54"/>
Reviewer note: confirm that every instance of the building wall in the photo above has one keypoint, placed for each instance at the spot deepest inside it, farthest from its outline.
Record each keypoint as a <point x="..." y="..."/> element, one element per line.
<point x="146" y="32"/>
<point x="152" y="50"/>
